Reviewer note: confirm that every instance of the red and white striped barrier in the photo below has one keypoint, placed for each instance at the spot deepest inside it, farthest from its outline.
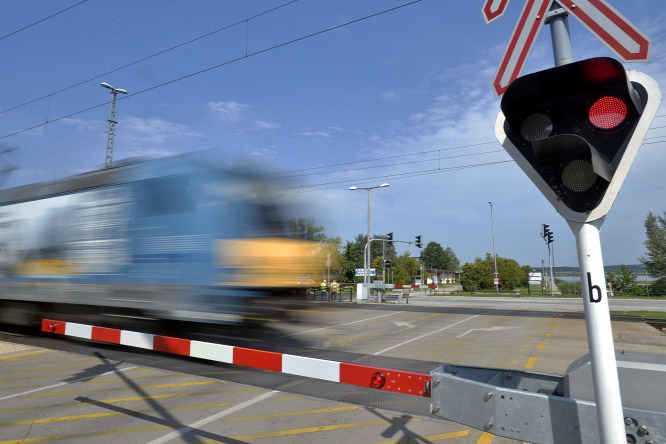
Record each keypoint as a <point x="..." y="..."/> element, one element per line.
<point x="375" y="377"/>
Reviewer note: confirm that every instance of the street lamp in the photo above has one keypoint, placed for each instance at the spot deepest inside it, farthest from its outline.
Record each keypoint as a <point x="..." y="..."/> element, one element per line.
<point x="366" y="264"/>
<point x="492" y="223"/>
<point x="112" y="123"/>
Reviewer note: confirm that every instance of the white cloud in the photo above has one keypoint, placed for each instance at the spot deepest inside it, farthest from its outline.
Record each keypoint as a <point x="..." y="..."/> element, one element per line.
<point x="264" y="125"/>
<point x="323" y="134"/>
<point x="152" y="130"/>
<point x="84" y="125"/>
<point x="227" y="111"/>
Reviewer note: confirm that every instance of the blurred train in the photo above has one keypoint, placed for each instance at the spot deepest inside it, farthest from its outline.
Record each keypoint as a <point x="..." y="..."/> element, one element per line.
<point x="171" y="238"/>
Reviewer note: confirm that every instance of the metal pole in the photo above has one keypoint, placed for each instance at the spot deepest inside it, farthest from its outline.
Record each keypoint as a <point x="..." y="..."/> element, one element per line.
<point x="111" y="131"/>
<point x="558" y="20"/>
<point x="367" y="259"/>
<point x="384" y="261"/>
<point x="550" y="265"/>
<point x="610" y="417"/>
<point x="492" y="222"/>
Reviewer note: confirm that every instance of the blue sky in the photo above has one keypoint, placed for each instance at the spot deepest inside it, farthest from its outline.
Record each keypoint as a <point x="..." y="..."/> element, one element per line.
<point x="403" y="97"/>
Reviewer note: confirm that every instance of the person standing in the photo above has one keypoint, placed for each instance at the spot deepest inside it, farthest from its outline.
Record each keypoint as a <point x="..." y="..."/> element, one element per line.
<point x="323" y="291"/>
<point x="334" y="290"/>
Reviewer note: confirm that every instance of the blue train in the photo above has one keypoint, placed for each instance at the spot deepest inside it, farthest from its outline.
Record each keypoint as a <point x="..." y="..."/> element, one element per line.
<point x="170" y="238"/>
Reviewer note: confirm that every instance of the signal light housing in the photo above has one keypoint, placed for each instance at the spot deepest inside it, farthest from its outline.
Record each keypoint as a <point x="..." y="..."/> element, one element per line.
<point x="575" y="130"/>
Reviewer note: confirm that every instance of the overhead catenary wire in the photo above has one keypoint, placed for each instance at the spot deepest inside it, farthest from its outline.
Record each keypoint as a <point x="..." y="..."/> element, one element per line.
<point x="345" y="183"/>
<point x="210" y="68"/>
<point x="40" y="21"/>
<point x="143" y="59"/>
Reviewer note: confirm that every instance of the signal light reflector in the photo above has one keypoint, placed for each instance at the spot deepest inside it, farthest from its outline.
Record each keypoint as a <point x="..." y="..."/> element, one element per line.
<point x="377" y="380"/>
<point x="608" y="112"/>
<point x="579" y="176"/>
<point x="536" y="126"/>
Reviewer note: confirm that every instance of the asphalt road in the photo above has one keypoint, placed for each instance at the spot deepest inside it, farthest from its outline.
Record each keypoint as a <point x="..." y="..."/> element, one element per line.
<point x="75" y="391"/>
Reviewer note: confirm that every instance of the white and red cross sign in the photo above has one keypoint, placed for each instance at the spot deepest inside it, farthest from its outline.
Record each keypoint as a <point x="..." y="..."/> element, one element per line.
<point x="600" y="18"/>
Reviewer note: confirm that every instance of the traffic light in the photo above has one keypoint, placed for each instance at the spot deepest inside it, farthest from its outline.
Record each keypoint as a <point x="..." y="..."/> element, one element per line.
<point x="389" y="238"/>
<point x="550" y="237"/>
<point x="545" y="231"/>
<point x="575" y="130"/>
<point x="418" y="242"/>
<point x="387" y="264"/>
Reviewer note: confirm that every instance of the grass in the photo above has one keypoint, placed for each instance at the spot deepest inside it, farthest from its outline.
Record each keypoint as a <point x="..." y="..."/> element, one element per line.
<point x="645" y="314"/>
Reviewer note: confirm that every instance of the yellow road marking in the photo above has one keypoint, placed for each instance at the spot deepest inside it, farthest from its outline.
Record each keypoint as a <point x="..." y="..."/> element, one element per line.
<point x="528" y="344"/>
<point x="301" y="412"/>
<point x="468" y="353"/>
<point x="49" y="369"/>
<point x="71" y="404"/>
<point x="107" y="414"/>
<point x="351" y="425"/>
<point x="486" y="358"/>
<point x="21" y="356"/>
<point x="541" y="346"/>
<point x="553" y="325"/>
<point x="88" y="434"/>
<point x="485" y="438"/>
<point x="430" y="438"/>
<point x="548" y="335"/>
<point x="114" y="389"/>
<point x="530" y="362"/>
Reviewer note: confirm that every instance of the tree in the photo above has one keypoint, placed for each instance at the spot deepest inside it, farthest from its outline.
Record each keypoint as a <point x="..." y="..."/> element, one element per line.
<point x="328" y="250"/>
<point x="477" y="275"/>
<point x="655" y="258"/>
<point x="434" y="256"/>
<point x="480" y="274"/>
<point x="623" y="281"/>
<point x="306" y="229"/>
<point x="354" y="252"/>
<point x="405" y="266"/>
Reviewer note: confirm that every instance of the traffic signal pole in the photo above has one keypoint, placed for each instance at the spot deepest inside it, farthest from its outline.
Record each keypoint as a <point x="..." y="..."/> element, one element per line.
<point x="599" y="333"/>
<point x="593" y="283"/>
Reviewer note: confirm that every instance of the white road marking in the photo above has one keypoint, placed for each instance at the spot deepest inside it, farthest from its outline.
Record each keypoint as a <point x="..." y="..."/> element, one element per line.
<point x="339" y="325"/>
<point x="423" y="336"/>
<point x="184" y="429"/>
<point x="485" y="329"/>
<point x="87" y="378"/>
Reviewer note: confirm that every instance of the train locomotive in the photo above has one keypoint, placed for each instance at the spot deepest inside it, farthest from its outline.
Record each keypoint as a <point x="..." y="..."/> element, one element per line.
<point x="171" y="238"/>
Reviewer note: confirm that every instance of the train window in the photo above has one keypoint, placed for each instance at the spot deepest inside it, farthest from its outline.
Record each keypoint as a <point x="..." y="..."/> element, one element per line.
<point x="165" y="195"/>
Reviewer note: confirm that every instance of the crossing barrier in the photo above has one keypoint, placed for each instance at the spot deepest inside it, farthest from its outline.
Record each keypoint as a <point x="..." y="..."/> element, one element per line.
<point x="343" y="372"/>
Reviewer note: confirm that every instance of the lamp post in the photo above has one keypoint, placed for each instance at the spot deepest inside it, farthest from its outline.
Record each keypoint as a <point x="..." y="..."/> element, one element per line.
<point x="492" y="224"/>
<point x="112" y="124"/>
<point x="366" y="264"/>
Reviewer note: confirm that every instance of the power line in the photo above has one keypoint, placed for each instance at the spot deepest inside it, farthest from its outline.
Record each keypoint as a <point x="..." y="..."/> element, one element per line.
<point x="228" y="62"/>
<point x="343" y="183"/>
<point x="42" y="20"/>
<point x="299" y="173"/>
<point x="147" y="57"/>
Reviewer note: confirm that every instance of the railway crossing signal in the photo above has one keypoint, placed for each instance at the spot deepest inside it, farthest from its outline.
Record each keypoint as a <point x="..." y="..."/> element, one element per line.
<point x="575" y="130"/>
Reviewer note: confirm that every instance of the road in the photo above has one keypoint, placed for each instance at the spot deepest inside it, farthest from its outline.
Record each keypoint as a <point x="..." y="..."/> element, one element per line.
<point x="74" y="391"/>
<point x="535" y="303"/>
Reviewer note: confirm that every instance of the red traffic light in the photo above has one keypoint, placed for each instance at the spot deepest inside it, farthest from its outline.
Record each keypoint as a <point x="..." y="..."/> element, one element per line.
<point x="608" y="112"/>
